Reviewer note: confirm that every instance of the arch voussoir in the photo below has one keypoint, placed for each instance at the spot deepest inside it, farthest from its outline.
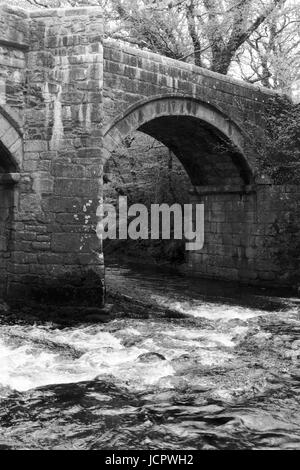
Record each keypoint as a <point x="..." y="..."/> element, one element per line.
<point x="144" y="112"/>
<point x="12" y="143"/>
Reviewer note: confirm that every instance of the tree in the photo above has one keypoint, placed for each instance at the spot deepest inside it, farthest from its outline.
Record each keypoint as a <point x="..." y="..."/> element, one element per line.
<point x="210" y="32"/>
<point x="278" y="149"/>
<point x="258" y="40"/>
<point x="271" y="56"/>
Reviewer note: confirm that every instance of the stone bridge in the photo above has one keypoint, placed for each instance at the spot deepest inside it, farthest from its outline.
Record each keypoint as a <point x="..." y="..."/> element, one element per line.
<point x="68" y="97"/>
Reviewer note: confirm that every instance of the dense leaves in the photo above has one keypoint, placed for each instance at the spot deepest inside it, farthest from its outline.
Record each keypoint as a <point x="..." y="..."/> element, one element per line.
<point x="279" y="147"/>
<point x="258" y="40"/>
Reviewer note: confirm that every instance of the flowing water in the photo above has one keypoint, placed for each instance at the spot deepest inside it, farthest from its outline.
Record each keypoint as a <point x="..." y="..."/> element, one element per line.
<point x="222" y="374"/>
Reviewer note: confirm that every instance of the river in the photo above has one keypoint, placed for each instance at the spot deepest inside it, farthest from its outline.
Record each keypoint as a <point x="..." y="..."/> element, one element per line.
<point x="218" y="370"/>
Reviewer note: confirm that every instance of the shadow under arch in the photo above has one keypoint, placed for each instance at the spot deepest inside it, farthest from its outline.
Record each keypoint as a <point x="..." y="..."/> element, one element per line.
<point x="210" y="146"/>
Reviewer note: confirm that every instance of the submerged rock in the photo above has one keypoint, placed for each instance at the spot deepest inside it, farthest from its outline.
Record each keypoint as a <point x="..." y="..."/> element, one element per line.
<point x="107" y="378"/>
<point x="173" y="381"/>
<point x="129" y="342"/>
<point x="150" y="357"/>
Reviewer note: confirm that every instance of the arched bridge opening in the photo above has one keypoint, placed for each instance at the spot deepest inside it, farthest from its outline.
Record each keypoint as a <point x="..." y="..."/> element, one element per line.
<point x="10" y="159"/>
<point x="210" y="149"/>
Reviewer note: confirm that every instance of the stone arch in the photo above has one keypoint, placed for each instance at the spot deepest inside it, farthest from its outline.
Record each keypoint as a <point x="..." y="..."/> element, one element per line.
<point x="11" y="152"/>
<point x="199" y="134"/>
<point x="220" y="164"/>
<point x="11" y="142"/>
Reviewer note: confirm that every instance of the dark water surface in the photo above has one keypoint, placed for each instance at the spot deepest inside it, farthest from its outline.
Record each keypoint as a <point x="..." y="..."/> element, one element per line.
<point x="224" y="376"/>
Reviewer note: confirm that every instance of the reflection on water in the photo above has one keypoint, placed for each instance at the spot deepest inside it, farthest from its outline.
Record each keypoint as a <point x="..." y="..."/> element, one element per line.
<point x="225" y="376"/>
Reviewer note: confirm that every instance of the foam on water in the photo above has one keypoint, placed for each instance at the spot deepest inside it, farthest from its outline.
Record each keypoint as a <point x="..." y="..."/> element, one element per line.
<point x="225" y="377"/>
<point x="32" y="364"/>
<point x="35" y="356"/>
<point x="212" y="311"/>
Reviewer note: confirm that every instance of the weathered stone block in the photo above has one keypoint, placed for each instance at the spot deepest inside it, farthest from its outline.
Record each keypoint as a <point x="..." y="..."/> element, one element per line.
<point x="66" y="243"/>
<point x="76" y="187"/>
<point x="30" y="203"/>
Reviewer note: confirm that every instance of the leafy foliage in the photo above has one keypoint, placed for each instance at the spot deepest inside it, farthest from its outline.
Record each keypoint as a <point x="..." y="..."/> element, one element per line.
<point x="279" y="147"/>
<point x="256" y="39"/>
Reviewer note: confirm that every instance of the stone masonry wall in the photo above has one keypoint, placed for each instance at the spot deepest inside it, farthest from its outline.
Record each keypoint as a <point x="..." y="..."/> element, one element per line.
<point x="6" y="208"/>
<point x="54" y="238"/>
<point x="250" y="237"/>
<point x="232" y="237"/>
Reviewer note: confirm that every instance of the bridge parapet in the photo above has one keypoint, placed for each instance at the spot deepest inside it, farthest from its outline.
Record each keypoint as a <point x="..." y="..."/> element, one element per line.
<point x="134" y="74"/>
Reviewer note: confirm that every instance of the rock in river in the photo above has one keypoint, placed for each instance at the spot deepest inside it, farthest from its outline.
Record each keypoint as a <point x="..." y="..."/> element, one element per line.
<point x="150" y="357"/>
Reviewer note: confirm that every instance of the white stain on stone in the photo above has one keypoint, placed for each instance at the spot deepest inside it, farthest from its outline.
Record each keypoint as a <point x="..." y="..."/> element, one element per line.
<point x="88" y="114"/>
<point x="2" y="91"/>
<point x="84" y="115"/>
<point x="58" y="128"/>
<point x="87" y="206"/>
<point x="65" y="64"/>
<point x="47" y="101"/>
<point x="80" y="114"/>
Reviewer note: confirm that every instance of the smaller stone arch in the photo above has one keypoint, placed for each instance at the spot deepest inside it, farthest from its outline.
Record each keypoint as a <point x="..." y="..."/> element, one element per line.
<point x="11" y="142"/>
<point x="11" y="155"/>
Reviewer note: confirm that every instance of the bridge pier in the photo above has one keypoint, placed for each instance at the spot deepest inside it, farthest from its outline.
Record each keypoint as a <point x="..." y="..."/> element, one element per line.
<point x="230" y="228"/>
<point x="248" y="234"/>
<point x="54" y="250"/>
